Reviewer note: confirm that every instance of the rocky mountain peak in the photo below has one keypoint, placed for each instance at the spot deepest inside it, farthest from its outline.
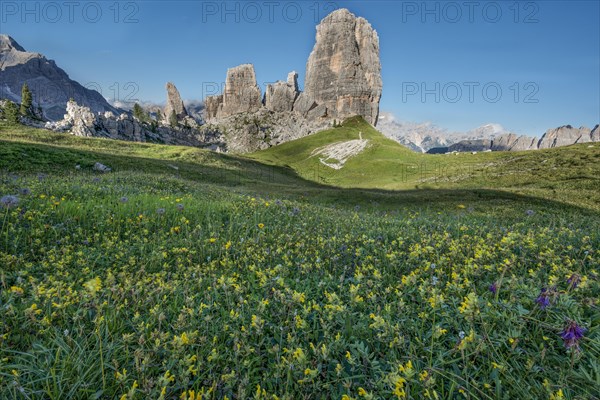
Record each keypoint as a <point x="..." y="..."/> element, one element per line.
<point x="343" y="72"/>
<point x="241" y="94"/>
<point x="174" y="103"/>
<point x="292" y="80"/>
<point x="343" y="79"/>
<point x="7" y="43"/>
<point x="281" y="96"/>
<point x="241" y="89"/>
<point x="339" y="15"/>
<point x="12" y="54"/>
<point x="50" y="86"/>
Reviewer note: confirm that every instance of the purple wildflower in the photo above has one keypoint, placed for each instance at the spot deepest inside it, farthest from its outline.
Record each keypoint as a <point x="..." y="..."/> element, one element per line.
<point x="9" y="201"/>
<point x="574" y="280"/>
<point x="493" y="288"/>
<point x="180" y="206"/>
<point x="25" y="191"/>
<point x="124" y="199"/>
<point x="572" y="334"/>
<point x="530" y="212"/>
<point x="543" y="299"/>
<point x="160" y="211"/>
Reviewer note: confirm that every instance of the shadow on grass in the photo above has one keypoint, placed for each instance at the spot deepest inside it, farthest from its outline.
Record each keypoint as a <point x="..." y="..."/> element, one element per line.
<point x="253" y="177"/>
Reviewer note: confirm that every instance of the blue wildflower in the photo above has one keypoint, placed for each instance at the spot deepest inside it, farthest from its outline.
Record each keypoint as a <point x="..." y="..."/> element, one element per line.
<point x="572" y="334"/>
<point x="9" y="201"/>
<point x="546" y="294"/>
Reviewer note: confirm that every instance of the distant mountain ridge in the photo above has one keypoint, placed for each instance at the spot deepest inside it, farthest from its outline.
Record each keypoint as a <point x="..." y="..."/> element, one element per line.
<point x="51" y="87"/>
<point x="429" y="138"/>
<point x="422" y="137"/>
<point x="562" y="136"/>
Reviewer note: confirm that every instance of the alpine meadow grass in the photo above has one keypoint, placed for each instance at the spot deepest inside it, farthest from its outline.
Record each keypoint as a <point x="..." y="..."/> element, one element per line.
<point x="174" y="277"/>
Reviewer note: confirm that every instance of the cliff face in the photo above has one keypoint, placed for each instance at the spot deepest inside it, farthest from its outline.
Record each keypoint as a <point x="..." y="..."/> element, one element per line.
<point x="174" y="103"/>
<point x="50" y="86"/>
<point x="281" y="96"/>
<point x="564" y="136"/>
<point x="343" y="79"/>
<point x="343" y="72"/>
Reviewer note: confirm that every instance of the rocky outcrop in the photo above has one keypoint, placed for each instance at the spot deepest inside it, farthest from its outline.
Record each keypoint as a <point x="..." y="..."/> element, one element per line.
<point x="595" y="134"/>
<point x="564" y="136"/>
<point x="304" y="104"/>
<point x="512" y="142"/>
<point x="292" y="80"/>
<point x="99" y="167"/>
<point x="50" y="86"/>
<point x="343" y="79"/>
<point x="524" y="143"/>
<point x="81" y="121"/>
<point x="242" y="93"/>
<point x="212" y="106"/>
<point x="504" y="142"/>
<point x="343" y="72"/>
<point x="248" y="132"/>
<point x="281" y="96"/>
<point x="174" y="103"/>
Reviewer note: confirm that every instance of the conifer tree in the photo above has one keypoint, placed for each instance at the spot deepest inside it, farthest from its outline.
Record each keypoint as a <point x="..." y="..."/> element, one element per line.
<point x="26" y="101"/>
<point x="11" y="113"/>
<point x="139" y="112"/>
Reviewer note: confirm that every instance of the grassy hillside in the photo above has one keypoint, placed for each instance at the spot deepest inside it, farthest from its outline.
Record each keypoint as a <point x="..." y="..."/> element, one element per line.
<point x="185" y="274"/>
<point x="383" y="164"/>
<point x="553" y="174"/>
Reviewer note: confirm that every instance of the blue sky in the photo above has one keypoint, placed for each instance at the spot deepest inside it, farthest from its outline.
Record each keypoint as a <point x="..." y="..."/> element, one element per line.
<point x="528" y="65"/>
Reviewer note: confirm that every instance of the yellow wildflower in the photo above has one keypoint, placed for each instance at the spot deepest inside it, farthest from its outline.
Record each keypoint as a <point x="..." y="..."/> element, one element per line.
<point x="16" y="290"/>
<point x="469" y="305"/>
<point x="407" y="369"/>
<point x="93" y="285"/>
<point x="399" y="388"/>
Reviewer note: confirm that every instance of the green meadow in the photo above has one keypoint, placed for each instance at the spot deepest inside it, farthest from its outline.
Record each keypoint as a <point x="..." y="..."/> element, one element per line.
<point x="188" y="274"/>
